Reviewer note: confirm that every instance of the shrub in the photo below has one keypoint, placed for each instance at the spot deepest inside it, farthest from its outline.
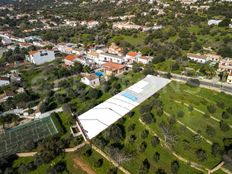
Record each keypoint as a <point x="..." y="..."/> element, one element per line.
<point x="156" y="157"/>
<point x="201" y="154"/>
<point x="221" y="104"/>
<point x="131" y="127"/>
<point x="144" y="134"/>
<point x="175" y="167"/>
<point x="224" y="126"/>
<point x="211" y="109"/>
<point x="155" y="141"/>
<point x="210" y="131"/>
<point x="225" y="115"/>
<point x="98" y="163"/>
<point x="180" y="113"/>
<point x="142" y="146"/>
<point x="193" y="82"/>
<point x="147" y="118"/>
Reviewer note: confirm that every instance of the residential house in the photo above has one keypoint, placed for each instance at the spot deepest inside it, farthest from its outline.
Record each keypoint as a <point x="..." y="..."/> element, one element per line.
<point x="7" y="94"/>
<point x="66" y="48"/>
<point x="145" y="59"/>
<point x="91" y="80"/>
<point x="111" y="68"/>
<point x="41" y="56"/>
<point x="69" y="60"/>
<point x="197" y="58"/>
<point x="115" y="49"/>
<point x="133" y="56"/>
<point x="106" y="57"/>
<point x="24" y="45"/>
<point x="213" y="22"/>
<point x="4" y="81"/>
<point x="93" y="56"/>
<point x="225" y="65"/>
<point x="6" y="41"/>
<point x="229" y="78"/>
<point x="213" y="57"/>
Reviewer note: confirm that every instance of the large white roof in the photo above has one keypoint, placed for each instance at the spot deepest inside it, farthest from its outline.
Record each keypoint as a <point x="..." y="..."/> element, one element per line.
<point x="97" y="119"/>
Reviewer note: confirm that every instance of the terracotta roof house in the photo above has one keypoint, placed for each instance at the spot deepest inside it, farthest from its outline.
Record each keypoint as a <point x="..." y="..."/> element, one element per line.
<point x="111" y="68"/>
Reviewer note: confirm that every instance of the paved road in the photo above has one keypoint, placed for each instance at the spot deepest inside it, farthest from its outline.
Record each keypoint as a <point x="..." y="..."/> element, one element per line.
<point x="224" y="87"/>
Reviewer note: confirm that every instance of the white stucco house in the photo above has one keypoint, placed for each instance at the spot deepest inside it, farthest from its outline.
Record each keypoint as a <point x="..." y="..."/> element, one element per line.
<point x="40" y="57"/>
<point x="197" y="58"/>
<point x="91" y="80"/>
<point x="106" y="57"/>
<point x="4" y="81"/>
<point x="229" y="78"/>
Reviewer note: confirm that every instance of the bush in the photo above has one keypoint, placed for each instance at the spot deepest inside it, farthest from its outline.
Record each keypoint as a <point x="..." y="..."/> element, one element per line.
<point x="155" y="141"/>
<point x="142" y="146"/>
<point x="211" y="109"/>
<point x="156" y="157"/>
<point x="229" y="110"/>
<point x="147" y="118"/>
<point x="144" y="134"/>
<point x="131" y="127"/>
<point x="132" y="139"/>
<point x="88" y="152"/>
<point x="193" y="82"/>
<point x="210" y="131"/>
<point x="190" y="108"/>
<point x="201" y="155"/>
<point x="98" y="163"/>
<point x="225" y="115"/>
<point x="224" y="126"/>
<point x="180" y="113"/>
<point x="112" y="171"/>
<point x="221" y="104"/>
<point x="175" y="167"/>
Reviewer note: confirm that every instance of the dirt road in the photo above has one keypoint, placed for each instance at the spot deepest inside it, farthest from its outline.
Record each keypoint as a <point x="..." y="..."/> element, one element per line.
<point x="83" y="166"/>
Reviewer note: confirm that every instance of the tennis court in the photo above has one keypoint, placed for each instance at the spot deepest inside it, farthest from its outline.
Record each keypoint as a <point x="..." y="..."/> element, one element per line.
<point x="16" y="139"/>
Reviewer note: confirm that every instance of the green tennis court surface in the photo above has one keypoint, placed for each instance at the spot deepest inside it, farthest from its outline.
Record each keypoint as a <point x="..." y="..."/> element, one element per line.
<point x="16" y="139"/>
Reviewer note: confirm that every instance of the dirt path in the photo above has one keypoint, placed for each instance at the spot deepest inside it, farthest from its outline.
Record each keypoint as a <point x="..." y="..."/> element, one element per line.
<point x="83" y="166"/>
<point x="123" y="170"/>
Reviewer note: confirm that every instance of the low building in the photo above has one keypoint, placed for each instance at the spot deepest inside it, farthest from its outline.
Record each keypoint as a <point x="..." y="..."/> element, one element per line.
<point x="93" y="56"/>
<point x="6" y="41"/>
<point x="4" y="81"/>
<point x="41" y="56"/>
<point x="229" y="78"/>
<point x="66" y="48"/>
<point x="225" y="65"/>
<point x="7" y="94"/>
<point x="69" y="60"/>
<point x="213" y="22"/>
<point x="111" y="68"/>
<point x="197" y="58"/>
<point x="133" y="56"/>
<point x="145" y="59"/>
<point x="115" y="49"/>
<point x="106" y="57"/>
<point x="91" y="80"/>
<point x="213" y="57"/>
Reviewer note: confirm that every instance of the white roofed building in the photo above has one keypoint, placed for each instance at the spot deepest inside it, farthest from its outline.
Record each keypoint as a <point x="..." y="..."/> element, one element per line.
<point x="99" y="118"/>
<point x="40" y="57"/>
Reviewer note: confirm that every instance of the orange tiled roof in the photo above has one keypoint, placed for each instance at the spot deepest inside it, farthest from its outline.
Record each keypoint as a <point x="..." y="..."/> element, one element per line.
<point x="132" y="54"/>
<point x="70" y="57"/>
<point x="113" y="66"/>
<point x="33" y="52"/>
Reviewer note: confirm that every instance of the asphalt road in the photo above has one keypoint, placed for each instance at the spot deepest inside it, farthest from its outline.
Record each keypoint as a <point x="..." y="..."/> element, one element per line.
<point x="224" y="87"/>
